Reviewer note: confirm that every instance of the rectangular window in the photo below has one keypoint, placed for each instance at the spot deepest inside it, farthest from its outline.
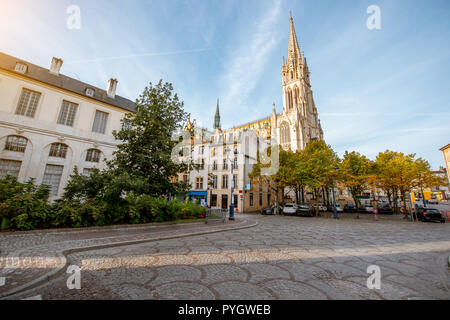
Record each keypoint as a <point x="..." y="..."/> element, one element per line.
<point x="235" y="163"/>
<point x="251" y="199"/>
<point x="9" y="167"/>
<point x="224" y="201"/>
<point x="199" y="183"/>
<point x="268" y="199"/>
<point x="215" y="165"/>
<point x="52" y="178"/>
<point x="225" y="164"/>
<point x="202" y="165"/>
<point x="214" y="182"/>
<point x="225" y="182"/>
<point x="28" y="103"/>
<point x="235" y="201"/>
<point x="67" y="113"/>
<point x="235" y="181"/>
<point x="101" y="118"/>
<point x="214" y="200"/>
<point x="260" y="199"/>
<point x="87" y="172"/>
<point x="185" y="178"/>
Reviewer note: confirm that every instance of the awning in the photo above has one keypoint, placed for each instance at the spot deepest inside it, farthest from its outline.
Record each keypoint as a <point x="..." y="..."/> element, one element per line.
<point x="198" y="193"/>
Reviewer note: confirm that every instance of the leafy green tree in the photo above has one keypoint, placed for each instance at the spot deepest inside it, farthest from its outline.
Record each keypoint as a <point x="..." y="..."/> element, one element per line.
<point x="356" y="172"/>
<point x="320" y="167"/>
<point x="146" y="136"/>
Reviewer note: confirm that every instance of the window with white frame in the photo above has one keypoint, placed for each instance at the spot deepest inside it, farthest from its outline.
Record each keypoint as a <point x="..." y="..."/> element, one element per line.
<point x="199" y="183"/>
<point x="58" y="150"/>
<point x="224" y="182"/>
<point x="93" y="155"/>
<point x="28" y="102"/>
<point x="214" y="182"/>
<point x="52" y="177"/>
<point x="16" y="143"/>
<point x="100" y="120"/>
<point x="87" y="172"/>
<point x="9" y="167"/>
<point x="90" y="92"/>
<point x="67" y="113"/>
<point x="225" y="164"/>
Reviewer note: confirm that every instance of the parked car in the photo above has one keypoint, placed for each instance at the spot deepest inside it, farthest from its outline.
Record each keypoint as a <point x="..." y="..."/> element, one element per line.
<point x="338" y="208"/>
<point x="268" y="210"/>
<point x="385" y="208"/>
<point x="290" y="209"/>
<point x="369" y="209"/>
<point x="271" y="210"/>
<point x="322" y="208"/>
<point x="362" y="209"/>
<point x="430" y="214"/>
<point x="306" y="210"/>
<point x="350" y="207"/>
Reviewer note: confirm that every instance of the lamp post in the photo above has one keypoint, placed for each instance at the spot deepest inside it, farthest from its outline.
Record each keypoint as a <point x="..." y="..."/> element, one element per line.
<point x="334" y="199"/>
<point x="227" y="150"/>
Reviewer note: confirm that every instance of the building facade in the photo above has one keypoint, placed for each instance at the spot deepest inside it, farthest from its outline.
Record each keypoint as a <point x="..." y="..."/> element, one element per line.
<point x="51" y="123"/>
<point x="446" y="152"/>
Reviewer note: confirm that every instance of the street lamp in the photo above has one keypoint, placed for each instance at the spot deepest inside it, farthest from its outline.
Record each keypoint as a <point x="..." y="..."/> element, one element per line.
<point x="334" y="199"/>
<point x="227" y="150"/>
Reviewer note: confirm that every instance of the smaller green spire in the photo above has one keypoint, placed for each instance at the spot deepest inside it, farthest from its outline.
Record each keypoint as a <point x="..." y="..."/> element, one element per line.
<point x="217" y="117"/>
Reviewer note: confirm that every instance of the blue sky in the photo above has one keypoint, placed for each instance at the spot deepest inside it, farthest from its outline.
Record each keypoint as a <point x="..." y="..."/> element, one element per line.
<point x="374" y="89"/>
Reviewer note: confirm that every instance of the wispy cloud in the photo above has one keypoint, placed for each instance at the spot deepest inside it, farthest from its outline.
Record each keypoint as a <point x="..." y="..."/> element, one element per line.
<point x="246" y="64"/>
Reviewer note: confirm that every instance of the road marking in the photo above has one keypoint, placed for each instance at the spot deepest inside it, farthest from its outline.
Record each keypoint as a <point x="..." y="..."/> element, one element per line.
<point x="38" y="297"/>
<point x="2" y="281"/>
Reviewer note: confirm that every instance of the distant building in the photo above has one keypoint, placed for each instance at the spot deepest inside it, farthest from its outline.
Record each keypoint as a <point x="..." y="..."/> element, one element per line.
<point x="50" y="123"/>
<point x="446" y="151"/>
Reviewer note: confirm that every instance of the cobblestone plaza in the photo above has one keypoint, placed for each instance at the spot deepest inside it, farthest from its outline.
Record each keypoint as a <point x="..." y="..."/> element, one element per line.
<point x="255" y="257"/>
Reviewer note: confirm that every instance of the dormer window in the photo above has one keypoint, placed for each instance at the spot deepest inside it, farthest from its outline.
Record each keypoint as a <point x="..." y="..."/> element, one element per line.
<point x="90" y="92"/>
<point x="21" y="68"/>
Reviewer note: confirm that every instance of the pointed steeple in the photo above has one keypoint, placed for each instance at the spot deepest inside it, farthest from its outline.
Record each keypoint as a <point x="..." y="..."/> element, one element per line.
<point x="294" y="49"/>
<point x="217" y="117"/>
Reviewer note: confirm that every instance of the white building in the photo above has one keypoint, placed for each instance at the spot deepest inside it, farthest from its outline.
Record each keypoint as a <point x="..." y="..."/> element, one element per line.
<point x="50" y="123"/>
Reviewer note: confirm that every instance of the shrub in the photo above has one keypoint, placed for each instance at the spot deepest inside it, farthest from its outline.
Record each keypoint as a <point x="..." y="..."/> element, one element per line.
<point x="24" y="206"/>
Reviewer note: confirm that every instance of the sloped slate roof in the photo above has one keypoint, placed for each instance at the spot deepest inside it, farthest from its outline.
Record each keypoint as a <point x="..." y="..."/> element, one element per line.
<point x="35" y="72"/>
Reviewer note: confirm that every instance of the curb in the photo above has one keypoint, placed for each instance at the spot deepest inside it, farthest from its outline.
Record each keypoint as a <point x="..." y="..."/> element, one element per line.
<point x="60" y="270"/>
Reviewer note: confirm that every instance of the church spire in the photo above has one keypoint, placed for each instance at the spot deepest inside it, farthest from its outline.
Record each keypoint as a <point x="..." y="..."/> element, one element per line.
<point x="294" y="49"/>
<point x="217" y="117"/>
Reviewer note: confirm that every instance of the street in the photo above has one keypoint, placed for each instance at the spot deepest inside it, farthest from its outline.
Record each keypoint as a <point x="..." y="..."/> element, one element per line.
<point x="280" y="258"/>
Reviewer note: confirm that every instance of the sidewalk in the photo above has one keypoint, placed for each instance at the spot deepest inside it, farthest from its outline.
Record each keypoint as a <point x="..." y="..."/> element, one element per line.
<point x="29" y="259"/>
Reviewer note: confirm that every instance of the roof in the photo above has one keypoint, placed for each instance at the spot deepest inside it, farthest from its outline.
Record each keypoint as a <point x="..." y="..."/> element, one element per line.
<point x="61" y="81"/>
<point x="444" y="148"/>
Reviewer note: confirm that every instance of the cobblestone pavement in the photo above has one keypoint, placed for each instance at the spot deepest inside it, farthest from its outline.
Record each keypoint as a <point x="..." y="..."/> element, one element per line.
<point x="29" y="258"/>
<point x="280" y="258"/>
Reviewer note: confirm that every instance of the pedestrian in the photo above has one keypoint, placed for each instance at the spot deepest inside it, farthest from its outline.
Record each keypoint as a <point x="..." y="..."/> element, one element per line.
<point x="375" y="212"/>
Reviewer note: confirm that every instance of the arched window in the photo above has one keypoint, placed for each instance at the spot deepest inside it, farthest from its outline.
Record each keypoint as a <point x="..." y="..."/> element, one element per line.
<point x="16" y="143"/>
<point x="285" y="133"/>
<point x="296" y="96"/>
<point x="58" y="150"/>
<point x="93" y="155"/>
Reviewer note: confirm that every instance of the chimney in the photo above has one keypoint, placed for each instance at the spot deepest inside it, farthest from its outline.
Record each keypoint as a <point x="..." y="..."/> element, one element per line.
<point x="56" y="65"/>
<point x="111" y="89"/>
